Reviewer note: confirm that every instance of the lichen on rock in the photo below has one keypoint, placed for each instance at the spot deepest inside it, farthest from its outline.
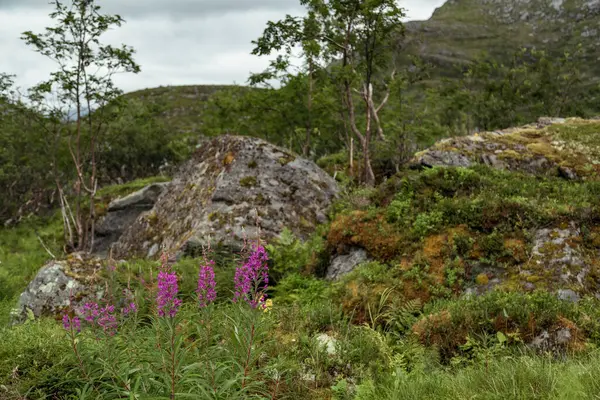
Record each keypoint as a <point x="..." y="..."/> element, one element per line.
<point x="234" y="188"/>
<point x="59" y="286"/>
<point x="558" y="147"/>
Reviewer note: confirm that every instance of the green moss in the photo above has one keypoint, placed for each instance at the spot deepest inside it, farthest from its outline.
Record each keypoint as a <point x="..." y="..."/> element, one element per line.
<point x="248" y="181"/>
<point x="252" y="164"/>
<point x="115" y="191"/>
<point x="286" y="159"/>
<point x="482" y="279"/>
<point x="152" y="218"/>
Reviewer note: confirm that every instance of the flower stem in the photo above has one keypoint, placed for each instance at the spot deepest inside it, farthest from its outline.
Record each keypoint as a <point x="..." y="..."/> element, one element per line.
<point x="172" y="363"/>
<point x="248" y="354"/>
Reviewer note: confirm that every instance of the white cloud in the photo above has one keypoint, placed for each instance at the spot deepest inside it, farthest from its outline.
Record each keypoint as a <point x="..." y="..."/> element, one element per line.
<point x="177" y="42"/>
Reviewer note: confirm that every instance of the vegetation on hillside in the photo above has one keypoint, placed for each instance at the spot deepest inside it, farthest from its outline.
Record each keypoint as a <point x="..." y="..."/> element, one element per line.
<point x="458" y="297"/>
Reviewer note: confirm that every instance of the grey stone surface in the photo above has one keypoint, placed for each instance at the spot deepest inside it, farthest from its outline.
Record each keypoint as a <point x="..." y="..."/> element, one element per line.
<point x="436" y="158"/>
<point x="144" y="198"/>
<point x="556" y="341"/>
<point x="57" y="286"/>
<point x="122" y="213"/>
<point x="345" y="263"/>
<point x="327" y="342"/>
<point x="568" y="294"/>
<point x="234" y="187"/>
<point x="496" y="150"/>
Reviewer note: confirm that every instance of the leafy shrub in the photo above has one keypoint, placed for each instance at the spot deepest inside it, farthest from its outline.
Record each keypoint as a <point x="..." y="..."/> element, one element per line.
<point x="290" y="255"/>
<point x="299" y="289"/>
<point x="523" y="316"/>
<point x="426" y="223"/>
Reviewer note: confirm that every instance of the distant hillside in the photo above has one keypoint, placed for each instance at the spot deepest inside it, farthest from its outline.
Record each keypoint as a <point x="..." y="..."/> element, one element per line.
<point x="461" y="29"/>
<point x="180" y="107"/>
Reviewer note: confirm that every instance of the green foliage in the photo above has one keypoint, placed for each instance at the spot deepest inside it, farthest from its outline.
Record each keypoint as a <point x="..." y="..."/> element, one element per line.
<point x="426" y="223"/>
<point x="22" y="253"/>
<point x="522" y="377"/>
<point x="532" y="84"/>
<point x="301" y="290"/>
<point x="34" y="359"/>
<point x="289" y="255"/>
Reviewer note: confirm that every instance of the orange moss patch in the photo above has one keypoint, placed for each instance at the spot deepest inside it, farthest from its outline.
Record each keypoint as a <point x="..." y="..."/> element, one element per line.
<point x="411" y="290"/>
<point x="380" y="239"/>
<point x="517" y="249"/>
<point x="434" y="250"/>
<point x="438" y="330"/>
<point x="577" y="342"/>
<point x="475" y="252"/>
<point x="595" y="236"/>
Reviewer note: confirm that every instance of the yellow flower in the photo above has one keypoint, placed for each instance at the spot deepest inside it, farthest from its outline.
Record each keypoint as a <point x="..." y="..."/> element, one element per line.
<point x="268" y="305"/>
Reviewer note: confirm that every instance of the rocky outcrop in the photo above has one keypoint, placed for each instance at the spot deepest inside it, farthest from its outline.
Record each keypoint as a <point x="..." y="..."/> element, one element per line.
<point x="345" y="263"/>
<point x="233" y="188"/>
<point x="460" y="30"/>
<point x="557" y="262"/>
<point x="545" y="148"/>
<point x="123" y="212"/>
<point x="58" y="286"/>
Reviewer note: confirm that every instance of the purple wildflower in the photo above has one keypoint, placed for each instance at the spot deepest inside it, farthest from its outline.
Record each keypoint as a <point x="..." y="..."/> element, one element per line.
<point x="206" y="290"/>
<point x="107" y="320"/>
<point x="129" y="308"/>
<point x="166" y="300"/>
<point x="252" y="278"/>
<point x="69" y="323"/>
<point x="129" y="300"/>
<point x="90" y="312"/>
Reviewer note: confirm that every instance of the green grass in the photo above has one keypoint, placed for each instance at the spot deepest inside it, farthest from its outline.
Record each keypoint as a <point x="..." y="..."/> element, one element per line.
<point x="526" y="378"/>
<point x="115" y="191"/>
<point x="22" y="254"/>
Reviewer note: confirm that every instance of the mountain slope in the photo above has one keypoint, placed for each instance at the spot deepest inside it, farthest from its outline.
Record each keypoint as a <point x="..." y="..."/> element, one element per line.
<point x="180" y="107"/>
<point x="461" y="29"/>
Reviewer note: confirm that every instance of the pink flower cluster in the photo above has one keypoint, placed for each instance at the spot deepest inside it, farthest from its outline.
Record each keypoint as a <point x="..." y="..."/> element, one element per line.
<point x="107" y="320"/>
<point x="90" y="312"/>
<point x="166" y="299"/>
<point x="102" y="316"/>
<point x="252" y="279"/>
<point x="207" y="287"/>
<point x="251" y="283"/>
<point x="69" y="322"/>
<point x="130" y="308"/>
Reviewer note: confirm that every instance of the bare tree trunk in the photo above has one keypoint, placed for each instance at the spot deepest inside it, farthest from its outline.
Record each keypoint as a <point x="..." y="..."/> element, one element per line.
<point x="368" y="175"/>
<point x="352" y="157"/>
<point x="307" y="143"/>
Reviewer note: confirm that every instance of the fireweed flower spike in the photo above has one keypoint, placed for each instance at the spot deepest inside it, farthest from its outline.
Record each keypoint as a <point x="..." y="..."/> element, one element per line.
<point x="129" y="302"/>
<point x="252" y="279"/>
<point x="107" y="320"/>
<point x="130" y="308"/>
<point x="75" y="322"/>
<point x="166" y="299"/>
<point x="90" y="312"/>
<point x="206" y="290"/>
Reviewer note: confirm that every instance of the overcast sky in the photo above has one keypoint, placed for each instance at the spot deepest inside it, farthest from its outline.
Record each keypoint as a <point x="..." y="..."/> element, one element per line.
<point x="178" y="42"/>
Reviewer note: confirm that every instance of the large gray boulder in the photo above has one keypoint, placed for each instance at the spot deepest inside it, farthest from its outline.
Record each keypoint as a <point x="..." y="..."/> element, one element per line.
<point x="58" y="286"/>
<point x="233" y="188"/>
<point x="123" y="212"/>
